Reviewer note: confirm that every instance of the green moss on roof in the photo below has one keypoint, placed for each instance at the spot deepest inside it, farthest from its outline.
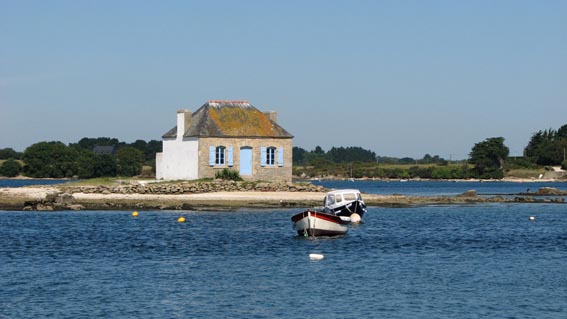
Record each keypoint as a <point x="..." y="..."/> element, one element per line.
<point x="231" y="119"/>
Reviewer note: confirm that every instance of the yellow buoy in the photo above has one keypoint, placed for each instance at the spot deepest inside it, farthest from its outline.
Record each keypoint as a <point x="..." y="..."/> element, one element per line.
<point x="181" y="219"/>
<point x="135" y="214"/>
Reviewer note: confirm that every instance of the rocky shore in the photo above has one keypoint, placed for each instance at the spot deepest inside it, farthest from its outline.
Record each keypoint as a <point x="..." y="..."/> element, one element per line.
<point x="224" y="195"/>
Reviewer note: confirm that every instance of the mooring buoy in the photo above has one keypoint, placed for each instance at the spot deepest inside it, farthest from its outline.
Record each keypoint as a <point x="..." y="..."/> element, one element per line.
<point x="355" y="218"/>
<point x="316" y="256"/>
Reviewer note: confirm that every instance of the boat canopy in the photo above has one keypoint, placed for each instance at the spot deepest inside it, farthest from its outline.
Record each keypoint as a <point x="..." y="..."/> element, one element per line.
<point x="341" y="197"/>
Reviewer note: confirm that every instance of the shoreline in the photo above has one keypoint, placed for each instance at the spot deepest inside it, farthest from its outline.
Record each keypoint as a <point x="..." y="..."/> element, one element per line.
<point x="503" y="180"/>
<point x="55" y="198"/>
<point x="309" y="180"/>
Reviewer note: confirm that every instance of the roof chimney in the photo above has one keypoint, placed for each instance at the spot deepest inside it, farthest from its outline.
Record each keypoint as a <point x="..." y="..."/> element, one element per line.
<point x="183" y="122"/>
<point x="272" y="115"/>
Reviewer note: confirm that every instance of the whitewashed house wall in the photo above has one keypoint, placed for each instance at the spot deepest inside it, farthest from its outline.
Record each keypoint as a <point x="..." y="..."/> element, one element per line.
<point x="179" y="157"/>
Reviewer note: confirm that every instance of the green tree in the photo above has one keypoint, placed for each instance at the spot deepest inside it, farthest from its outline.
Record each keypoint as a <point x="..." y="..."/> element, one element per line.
<point x="488" y="157"/>
<point x="10" y="168"/>
<point x="318" y="150"/>
<point x="562" y="131"/>
<point x="105" y="166"/>
<point x="546" y="147"/>
<point x="50" y="160"/>
<point x="86" y="164"/>
<point x="140" y="145"/>
<point x="298" y="155"/>
<point x="152" y="148"/>
<point x="6" y="153"/>
<point x="88" y="143"/>
<point x="129" y="161"/>
<point x="350" y="154"/>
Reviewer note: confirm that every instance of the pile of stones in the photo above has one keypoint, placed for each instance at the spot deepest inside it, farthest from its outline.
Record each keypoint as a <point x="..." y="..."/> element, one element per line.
<point x="196" y="187"/>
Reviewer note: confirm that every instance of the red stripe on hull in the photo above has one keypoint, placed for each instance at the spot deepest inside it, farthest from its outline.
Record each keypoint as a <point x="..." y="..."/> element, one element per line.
<point x="319" y="215"/>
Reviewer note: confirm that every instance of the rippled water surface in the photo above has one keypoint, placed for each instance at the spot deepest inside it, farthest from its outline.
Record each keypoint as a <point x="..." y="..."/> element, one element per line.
<point x="28" y="182"/>
<point x="486" y="261"/>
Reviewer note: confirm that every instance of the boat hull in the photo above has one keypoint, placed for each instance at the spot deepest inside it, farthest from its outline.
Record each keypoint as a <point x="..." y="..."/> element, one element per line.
<point x="313" y="223"/>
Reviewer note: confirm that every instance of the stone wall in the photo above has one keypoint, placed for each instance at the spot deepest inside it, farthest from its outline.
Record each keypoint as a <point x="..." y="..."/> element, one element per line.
<point x="267" y="173"/>
<point x="195" y="187"/>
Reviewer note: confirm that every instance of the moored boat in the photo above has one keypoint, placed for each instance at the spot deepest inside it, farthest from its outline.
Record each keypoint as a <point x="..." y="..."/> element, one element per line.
<point x="314" y="223"/>
<point x="344" y="202"/>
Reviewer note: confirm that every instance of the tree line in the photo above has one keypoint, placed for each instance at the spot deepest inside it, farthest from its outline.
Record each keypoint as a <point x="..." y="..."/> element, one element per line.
<point x="57" y="160"/>
<point x="487" y="159"/>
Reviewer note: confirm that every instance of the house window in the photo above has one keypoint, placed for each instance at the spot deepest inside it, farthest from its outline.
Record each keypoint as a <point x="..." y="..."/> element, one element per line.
<point x="271" y="156"/>
<point x="219" y="155"/>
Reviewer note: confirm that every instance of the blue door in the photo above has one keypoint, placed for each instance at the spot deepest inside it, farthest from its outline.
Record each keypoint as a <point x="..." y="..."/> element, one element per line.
<point x="246" y="160"/>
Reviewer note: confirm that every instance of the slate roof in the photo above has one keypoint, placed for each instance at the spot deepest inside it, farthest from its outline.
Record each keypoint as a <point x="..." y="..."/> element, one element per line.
<point x="220" y="118"/>
<point x="104" y="150"/>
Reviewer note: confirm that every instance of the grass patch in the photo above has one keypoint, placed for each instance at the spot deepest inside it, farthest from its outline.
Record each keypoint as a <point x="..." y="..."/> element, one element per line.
<point x="101" y="181"/>
<point x="524" y="172"/>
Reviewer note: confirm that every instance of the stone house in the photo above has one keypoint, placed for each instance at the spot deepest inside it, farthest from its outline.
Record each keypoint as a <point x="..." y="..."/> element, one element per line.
<point x="226" y="134"/>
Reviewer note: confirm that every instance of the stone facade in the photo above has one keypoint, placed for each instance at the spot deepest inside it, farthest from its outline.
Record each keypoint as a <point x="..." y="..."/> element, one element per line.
<point x="265" y="173"/>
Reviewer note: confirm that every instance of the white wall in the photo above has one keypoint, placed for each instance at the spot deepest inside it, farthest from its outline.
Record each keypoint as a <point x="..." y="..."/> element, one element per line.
<point x="178" y="160"/>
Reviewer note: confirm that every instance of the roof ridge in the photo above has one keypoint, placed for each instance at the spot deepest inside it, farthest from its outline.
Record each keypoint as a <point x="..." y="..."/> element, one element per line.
<point x="228" y="102"/>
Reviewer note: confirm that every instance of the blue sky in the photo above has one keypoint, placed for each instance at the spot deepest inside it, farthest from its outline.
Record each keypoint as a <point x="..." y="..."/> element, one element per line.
<point x="401" y="78"/>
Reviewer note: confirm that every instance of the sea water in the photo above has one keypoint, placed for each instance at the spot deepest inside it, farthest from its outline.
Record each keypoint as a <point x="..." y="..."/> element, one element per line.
<point x="10" y="183"/>
<point x="479" y="261"/>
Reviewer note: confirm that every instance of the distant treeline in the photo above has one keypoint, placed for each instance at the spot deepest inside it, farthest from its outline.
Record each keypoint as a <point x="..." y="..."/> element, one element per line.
<point x="357" y="162"/>
<point x="89" y="158"/>
<point x="487" y="159"/>
<point x="109" y="157"/>
<point x="356" y="154"/>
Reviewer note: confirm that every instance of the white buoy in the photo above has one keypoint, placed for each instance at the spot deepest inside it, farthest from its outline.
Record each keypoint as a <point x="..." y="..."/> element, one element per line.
<point x="532" y="218"/>
<point x="355" y="218"/>
<point x="316" y="256"/>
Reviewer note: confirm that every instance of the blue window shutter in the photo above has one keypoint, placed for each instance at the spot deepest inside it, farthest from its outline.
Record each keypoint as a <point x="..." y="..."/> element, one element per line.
<point x="280" y="156"/>
<point x="263" y="156"/>
<point x="212" y="155"/>
<point x="230" y="161"/>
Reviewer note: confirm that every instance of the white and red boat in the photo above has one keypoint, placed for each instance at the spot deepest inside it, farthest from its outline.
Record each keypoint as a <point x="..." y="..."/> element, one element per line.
<point x="314" y="223"/>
